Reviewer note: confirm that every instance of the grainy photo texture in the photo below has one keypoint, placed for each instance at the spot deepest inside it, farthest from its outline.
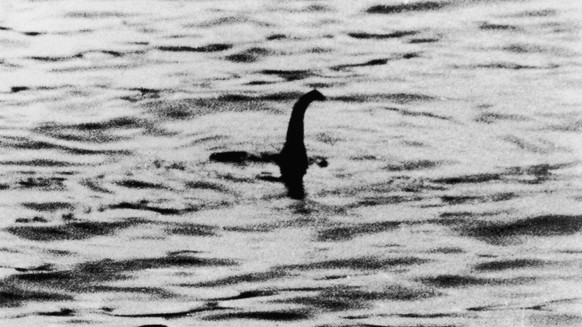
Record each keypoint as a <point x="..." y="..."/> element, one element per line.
<point x="324" y="163"/>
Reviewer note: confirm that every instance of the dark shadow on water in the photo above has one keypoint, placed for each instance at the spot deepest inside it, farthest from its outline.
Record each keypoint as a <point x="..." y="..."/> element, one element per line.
<point x="39" y="163"/>
<point x="405" y="112"/>
<point x="275" y="315"/>
<point x="43" y="267"/>
<point x="510" y="264"/>
<point x="48" y="183"/>
<point x="94" y="186"/>
<point x="248" y="55"/>
<point x="27" y="143"/>
<point x="400" y="98"/>
<point x="397" y="34"/>
<point x="228" y="177"/>
<point x="345" y="233"/>
<point x="509" y="233"/>
<point x="49" y="206"/>
<point x="94" y="276"/>
<point x="132" y="183"/>
<point x="423" y="40"/>
<point x="146" y="205"/>
<point x="78" y="55"/>
<point x="373" y="62"/>
<point x="215" y="47"/>
<point x="463" y="281"/>
<point x="407" y="189"/>
<point x="314" y="8"/>
<point x="70" y="230"/>
<point x="523" y="48"/>
<point x="260" y="83"/>
<point x="15" y="295"/>
<point x="537" y="13"/>
<point x="191" y="230"/>
<point x="463" y="199"/>
<point x="413" y="165"/>
<point x="243" y="278"/>
<point x="361" y="263"/>
<point x="120" y="122"/>
<point x="364" y="157"/>
<point x="142" y="93"/>
<point x="384" y="200"/>
<point x="496" y="27"/>
<point x="52" y="59"/>
<point x="273" y="37"/>
<point x="512" y="66"/>
<point x="277" y="96"/>
<point x="243" y="158"/>
<point x="539" y="307"/>
<point x="185" y="109"/>
<point x="204" y="139"/>
<point x="477" y="178"/>
<point x="534" y="174"/>
<point x="204" y="185"/>
<point x="248" y="295"/>
<point x="288" y="75"/>
<point x="98" y="132"/>
<point x="447" y="250"/>
<point x="526" y="145"/>
<point x="256" y="228"/>
<point x="342" y="298"/>
<point x="167" y="315"/>
<point x="228" y="20"/>
<point x="428" y="315"/>
<point x="407" y="7"/>
<point x="32" y="33"/>
<point x="63" y="312"/>
<point x="16" y="89"/>
<point x="493" y="117"/>
<point x="458" y="217"/>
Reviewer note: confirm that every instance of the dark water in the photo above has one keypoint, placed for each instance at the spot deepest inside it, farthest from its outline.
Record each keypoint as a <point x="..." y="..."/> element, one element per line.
<point x="451" y="132"/>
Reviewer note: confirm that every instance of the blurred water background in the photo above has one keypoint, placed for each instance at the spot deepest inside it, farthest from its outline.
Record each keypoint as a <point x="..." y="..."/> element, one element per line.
<point x="452" y="195"/>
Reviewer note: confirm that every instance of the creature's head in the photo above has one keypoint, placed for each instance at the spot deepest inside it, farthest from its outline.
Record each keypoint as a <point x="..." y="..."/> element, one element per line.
<point x="304" y="101"/>
<point x="314" y="95"/>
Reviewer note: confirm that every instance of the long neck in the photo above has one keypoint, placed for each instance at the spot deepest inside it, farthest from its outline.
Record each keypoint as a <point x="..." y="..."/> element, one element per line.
<point x="295" y="129"/>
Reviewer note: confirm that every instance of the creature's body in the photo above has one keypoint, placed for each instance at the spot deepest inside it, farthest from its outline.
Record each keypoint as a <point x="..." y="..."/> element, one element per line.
<point x="292" y="159"/>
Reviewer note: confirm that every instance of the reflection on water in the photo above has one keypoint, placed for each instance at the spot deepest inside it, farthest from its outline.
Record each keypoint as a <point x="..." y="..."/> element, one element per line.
<point x="445" y="189"/>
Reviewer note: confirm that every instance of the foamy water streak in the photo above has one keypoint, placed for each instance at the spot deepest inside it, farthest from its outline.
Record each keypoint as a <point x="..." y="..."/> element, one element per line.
<point x="451" y="129"/>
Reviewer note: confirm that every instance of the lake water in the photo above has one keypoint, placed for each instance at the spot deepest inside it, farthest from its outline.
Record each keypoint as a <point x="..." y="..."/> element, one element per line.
<point x="452" y="194"/>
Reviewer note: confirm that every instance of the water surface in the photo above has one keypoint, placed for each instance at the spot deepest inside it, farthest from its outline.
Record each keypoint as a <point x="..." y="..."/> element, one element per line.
<point x="451" y="198"/>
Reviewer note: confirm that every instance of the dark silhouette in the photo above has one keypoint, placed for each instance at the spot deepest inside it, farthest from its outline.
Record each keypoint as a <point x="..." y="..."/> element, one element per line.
<point x="292" y="159"/>
<point x="230" y="156"/>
